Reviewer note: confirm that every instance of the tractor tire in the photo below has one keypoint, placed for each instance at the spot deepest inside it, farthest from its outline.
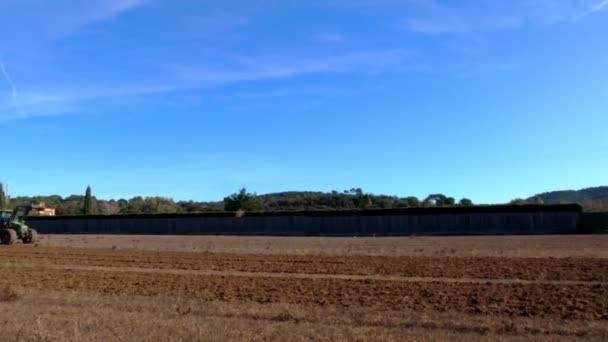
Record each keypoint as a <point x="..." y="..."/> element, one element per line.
<point x="31" y="236"/>
<point x="8" y="236"/>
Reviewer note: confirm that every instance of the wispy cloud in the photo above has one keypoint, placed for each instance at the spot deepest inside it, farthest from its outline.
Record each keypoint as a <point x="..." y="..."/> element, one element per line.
<point x="38" y="21"/>
<point x="106" y="9"/>
<point x="40" y="28"/>
<point x="95" y="12"/>
<point x="486" y="16"/>
<point x="14" y="91"/>
<point x="201" y="26"/>
<point x="462" y="23"/>
<point x="195" y="56"/>
<point x="263" y="68"/>
<point x="241" y="69"/>
<point x="596" y="8"/>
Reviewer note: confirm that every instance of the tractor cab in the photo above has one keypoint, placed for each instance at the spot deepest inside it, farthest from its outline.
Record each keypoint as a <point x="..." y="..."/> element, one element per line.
<point x="13" y="227"/>
<point x="4" y="217"/>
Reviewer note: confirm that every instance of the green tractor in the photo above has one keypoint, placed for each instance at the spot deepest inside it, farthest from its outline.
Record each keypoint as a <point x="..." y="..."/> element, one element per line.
<point x="13" y="227"/>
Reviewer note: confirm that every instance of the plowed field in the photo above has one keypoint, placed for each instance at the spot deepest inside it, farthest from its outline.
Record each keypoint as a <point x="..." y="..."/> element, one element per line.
<point x="552" y="296"/>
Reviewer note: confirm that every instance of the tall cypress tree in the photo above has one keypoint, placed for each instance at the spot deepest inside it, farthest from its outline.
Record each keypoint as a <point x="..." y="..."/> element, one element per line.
<point x="3" y="198"/>
<point x="88" y="202"/>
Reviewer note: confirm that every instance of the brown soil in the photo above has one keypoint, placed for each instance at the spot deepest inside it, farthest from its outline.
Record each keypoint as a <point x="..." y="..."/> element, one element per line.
<point x="547" y="269"/>
<point x="588" y="302"/>
<point x="388" y="295"/>
<point x="594" y="246"/>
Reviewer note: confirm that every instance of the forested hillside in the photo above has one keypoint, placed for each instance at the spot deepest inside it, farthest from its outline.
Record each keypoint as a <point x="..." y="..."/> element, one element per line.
<point x="592" y="199"/>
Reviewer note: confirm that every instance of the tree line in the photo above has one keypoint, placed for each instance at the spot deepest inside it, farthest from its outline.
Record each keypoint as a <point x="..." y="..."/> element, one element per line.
<point x="243" y="200"/>
<point x="354" y="198"/>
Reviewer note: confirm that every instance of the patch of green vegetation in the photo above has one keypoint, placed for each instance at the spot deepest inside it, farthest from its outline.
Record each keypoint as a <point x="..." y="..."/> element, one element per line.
<point x="13" y="264"/>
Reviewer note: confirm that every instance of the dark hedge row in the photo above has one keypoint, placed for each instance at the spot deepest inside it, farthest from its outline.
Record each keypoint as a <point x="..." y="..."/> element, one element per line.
<point x="355" y="212"/>
<point x="594" y="223"/>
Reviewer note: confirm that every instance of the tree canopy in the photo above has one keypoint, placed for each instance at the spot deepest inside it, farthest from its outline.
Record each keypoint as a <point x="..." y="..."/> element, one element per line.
<point x="354" y="198"/>
<point x="242" y="200"/>
<point x="87" y="208"/>
<point x="3" y="198"/>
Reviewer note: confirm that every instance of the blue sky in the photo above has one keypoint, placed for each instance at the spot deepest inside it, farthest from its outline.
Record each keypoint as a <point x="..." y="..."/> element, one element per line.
<point x="486" y="99"/>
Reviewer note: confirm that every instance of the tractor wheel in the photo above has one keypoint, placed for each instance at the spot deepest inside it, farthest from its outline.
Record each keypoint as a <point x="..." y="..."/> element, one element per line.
<point x="8" y="236"/>
<point x="31" y="236"/>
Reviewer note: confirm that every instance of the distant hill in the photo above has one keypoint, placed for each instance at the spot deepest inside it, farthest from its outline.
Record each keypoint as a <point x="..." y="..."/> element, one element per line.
<point x="592" y="199"/>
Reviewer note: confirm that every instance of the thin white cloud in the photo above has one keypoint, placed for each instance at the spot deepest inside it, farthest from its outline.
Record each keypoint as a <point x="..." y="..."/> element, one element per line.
<point x="486" y="16"/>
<point x="62" y="19"/>
<point x="200" y="26"/>
<point x="106" y="9"/>
<point x="39" y="22"/>
<point x="99" y="11"/>
<point x="242" y="69"/>
<point x="596" y="8"/>
<point x="117" y="6"/>
<point x="196" y="67"/>
<point x="263" y="68"/>
<point x="14" y="91"/>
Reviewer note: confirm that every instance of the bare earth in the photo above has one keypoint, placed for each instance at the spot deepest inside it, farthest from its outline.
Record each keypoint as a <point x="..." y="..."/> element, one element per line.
<point x="595" y="246"/>
<point x="278" y="288"/>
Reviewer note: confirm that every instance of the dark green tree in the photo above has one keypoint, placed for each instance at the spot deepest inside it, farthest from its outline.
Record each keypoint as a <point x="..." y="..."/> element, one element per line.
<point x="3" y="198"/>
<point x="159" y="205"/>
<point x="465" y="202"/>
<point x="135" y="206"/>
<point x="412" y="201"/>
<point x="242" y="200"/>
<point x="88" y="202"/>
<point x="435" y="200"/>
